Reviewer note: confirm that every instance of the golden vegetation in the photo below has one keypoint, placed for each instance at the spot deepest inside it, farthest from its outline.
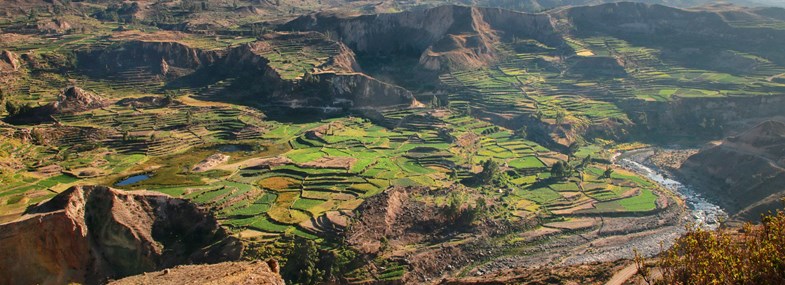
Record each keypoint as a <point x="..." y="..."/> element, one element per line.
<point x="755" y="255"/>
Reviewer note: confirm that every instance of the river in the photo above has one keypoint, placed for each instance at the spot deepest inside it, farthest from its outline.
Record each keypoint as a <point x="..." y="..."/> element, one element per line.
<point x="703" y="213"/>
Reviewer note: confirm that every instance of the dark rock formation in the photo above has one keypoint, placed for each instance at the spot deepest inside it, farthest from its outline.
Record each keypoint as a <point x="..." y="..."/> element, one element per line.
<point x="87" y="234"/>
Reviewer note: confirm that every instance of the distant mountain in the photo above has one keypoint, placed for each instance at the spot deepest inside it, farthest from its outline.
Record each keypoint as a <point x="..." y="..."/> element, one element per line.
<point x="539" y="5"/>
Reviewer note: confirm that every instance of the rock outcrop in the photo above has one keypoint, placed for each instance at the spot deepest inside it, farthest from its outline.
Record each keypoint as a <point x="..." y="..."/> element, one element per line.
<point x="71" y="100"/>
<point x="74" y="99"/>
<point x="88" y="234"/>
<point x="746" y="173"/>
<point x="9" y="61"/>
<point x="226" y="273"/>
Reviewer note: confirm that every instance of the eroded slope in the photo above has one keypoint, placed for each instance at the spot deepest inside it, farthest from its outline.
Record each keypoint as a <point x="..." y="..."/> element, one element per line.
<point x="90" y="233"/>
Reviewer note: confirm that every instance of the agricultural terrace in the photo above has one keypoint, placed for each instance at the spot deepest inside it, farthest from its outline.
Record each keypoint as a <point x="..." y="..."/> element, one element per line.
<point x="541" y="81"/>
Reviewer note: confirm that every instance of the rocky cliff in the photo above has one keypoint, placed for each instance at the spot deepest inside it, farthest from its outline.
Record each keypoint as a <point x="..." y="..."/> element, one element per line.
<point x="150" y="54"/>
<point x="88" y="234"/>
<point x="74" y="99"/>
<point x="699" y="116"/>
<point x="273" y="70"/>
<point x="443" y="37"/>
<point x="746" y="173"/>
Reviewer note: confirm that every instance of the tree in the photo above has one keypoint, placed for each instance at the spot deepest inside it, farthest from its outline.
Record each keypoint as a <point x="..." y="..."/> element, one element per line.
<point x="453" y="208"/>
<point x="13" y="108"/>
<point x="169" y="97"/>
<point x="189" y="117"/>
<point x="301" y="263"/>
<point x="435" y="102"/>
<point x="561" y="170"/>
<point x="339" y="263"/>
<point x="522" y="132"/>
<point x="2" y="100"/>
<point x="608" y="172"/>
<point x="560" y="115"/>
<point x="585" y="162"/>
<point x="490" y="169"/>
<point x="573" y="148"/>
<point x="481" y="204"/>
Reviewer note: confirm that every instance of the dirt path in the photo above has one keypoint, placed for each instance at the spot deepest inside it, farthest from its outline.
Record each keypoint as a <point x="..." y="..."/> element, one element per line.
<point x="623" y="275"/>
<point x="770" y="79"/>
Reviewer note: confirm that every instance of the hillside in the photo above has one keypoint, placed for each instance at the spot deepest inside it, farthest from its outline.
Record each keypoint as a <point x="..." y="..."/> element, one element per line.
<point x="745" y="172"/>
<point x="89" y="234"/>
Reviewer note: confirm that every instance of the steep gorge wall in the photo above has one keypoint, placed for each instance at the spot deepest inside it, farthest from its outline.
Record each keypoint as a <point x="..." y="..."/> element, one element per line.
<point x="745" y="173"/>
<point x="699" y="116"/>
<point x="441" y="37"/>
<point x="150" y="54"/>
<point x="87" y="234"/>
<point x="173" y="60"/>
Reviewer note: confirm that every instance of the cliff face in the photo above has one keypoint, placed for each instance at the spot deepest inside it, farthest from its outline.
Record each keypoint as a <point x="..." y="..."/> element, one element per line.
<point x="266" y="66"/>
<point x="151" y="54"/>
<point x="746" y="173"/>
<point x="442" y="37"/>
<point x="87" y="234"/>
<point x="700" y="116"/>
<point x="361" y="91"/>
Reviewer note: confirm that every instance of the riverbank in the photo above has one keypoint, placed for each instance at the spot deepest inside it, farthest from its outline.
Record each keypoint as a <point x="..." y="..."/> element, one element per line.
<point x="703" y="213"/>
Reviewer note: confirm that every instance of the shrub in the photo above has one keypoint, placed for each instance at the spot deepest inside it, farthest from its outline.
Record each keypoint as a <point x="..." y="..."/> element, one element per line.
<point x="756" y="255"/>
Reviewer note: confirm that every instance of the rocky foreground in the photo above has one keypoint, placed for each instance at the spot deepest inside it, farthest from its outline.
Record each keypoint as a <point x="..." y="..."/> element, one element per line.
<point x="91" y="234"/>
<point x="221" y="273"/>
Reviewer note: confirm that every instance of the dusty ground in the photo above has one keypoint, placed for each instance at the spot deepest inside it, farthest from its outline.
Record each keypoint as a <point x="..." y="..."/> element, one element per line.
<point x="256" y="272"/>
<point x="596" y="273"/>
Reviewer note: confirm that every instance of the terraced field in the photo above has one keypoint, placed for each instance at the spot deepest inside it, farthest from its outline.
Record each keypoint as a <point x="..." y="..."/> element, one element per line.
<point x="542" y="82"/>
